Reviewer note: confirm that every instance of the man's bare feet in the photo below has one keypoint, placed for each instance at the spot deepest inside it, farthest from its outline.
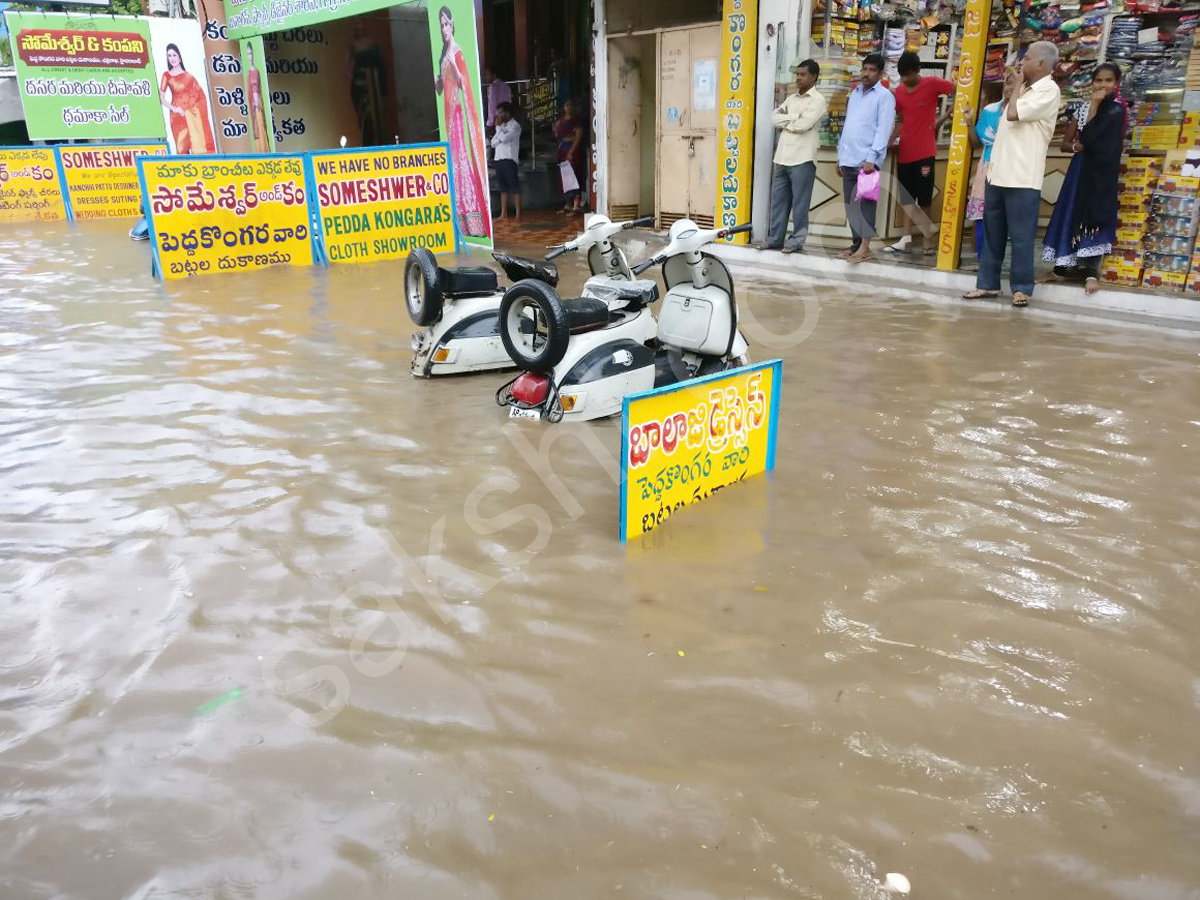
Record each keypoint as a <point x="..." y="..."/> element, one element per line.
<point x="847" y="253"/>
<point x="1091" y="285"/>
<point x="855" y="258"/>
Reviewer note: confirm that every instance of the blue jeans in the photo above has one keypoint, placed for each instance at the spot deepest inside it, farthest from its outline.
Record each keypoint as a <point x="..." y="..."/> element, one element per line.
<point x="1008" y="213"/>
<point x="791" y="192"/>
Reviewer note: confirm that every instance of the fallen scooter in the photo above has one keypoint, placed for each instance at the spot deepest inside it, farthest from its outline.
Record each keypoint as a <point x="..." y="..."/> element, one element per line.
<point x="458" y="309"/>
<point x="583" y="357"/>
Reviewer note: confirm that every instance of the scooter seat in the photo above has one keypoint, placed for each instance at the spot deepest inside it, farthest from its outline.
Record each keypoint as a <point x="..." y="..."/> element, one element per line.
<point x="632" y="295"/>
<point x="586" y="314"/>
<point x="518" y="268"/>
<point x="469" y="281"/>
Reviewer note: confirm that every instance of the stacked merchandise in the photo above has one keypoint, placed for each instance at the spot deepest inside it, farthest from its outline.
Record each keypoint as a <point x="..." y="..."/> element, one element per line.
<point x="1171" y="233"/>
<point x="837" y="77"/>
<point x="1156" y="122"/>
<point x="1123" y="266"/>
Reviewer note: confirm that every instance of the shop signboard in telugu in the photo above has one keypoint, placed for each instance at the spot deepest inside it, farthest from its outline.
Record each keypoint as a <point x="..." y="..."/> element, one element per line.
<point x="382" y="203"/>
<point x="735" y="146"/>
<point x="30" y="185"/>
<point x="226" y="213"/>
<point x="226" y="89"/>
<point x="246" y="18"/>
<point x="684" y="443"/>
<point x="958" y="163"/>
<point x="85" y="78"/>
<point x="102" y="180"/>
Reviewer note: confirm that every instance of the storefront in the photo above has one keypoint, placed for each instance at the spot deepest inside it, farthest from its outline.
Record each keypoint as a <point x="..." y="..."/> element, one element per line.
<point x="654" y="148"/>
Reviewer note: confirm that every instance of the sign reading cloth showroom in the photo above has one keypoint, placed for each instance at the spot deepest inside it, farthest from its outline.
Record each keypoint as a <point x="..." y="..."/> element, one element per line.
<point x="684" y="443"/>
<point x="380" y="204"/>
<point x="456" y="80"/>
<point x="226" y="213"/>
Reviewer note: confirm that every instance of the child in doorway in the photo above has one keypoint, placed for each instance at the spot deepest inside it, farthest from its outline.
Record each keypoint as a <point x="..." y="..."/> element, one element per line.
<point x="505" y="143"/>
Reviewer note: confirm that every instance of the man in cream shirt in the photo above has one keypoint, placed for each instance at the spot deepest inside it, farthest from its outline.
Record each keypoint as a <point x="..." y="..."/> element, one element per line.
<point x="795" y="159"/>
<point x="1015" y="174"/>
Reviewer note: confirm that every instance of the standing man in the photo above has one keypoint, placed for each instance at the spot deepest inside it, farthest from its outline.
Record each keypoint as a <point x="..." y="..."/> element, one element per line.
<point x="506" y="143"/>
<point x="917" y="101"/>
<point x="870" y="115"/>
<point x="796" y="120"/>
<point x="1015" y="173"/>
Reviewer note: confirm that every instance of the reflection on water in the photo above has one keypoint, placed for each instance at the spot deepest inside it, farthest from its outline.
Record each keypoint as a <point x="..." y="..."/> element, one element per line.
<point x="952" y="637"/>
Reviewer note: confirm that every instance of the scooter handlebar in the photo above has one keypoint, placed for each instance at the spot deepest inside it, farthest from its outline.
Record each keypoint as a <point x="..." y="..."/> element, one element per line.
<point x="741" y="229"/>
<point x="642" y="267"/>
<point x="638" y="223"/>
<point x="556" y="253"/>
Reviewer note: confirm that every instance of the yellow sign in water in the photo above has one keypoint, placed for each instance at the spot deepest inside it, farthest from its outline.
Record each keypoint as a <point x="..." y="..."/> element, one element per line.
<point x="30" y="187"/>
<point x="684" y="443"/>
<point x="226" y="213"/>
<point x="380" y="204"/>
<point x="102" y="179"/>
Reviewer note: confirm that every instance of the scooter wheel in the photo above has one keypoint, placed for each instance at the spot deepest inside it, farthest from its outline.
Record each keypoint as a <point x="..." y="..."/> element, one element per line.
<point x="423" y="287"/>
<point x="533" y="326"/>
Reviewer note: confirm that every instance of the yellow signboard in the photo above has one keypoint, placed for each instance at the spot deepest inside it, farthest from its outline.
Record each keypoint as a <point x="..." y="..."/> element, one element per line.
<point x="102" y="180"/>
<point x="380" y="204"/>
<point x="735" y="147"/>
<point x="30" y="186"/>
<point x="226" y="213"/>
<point x="682" y="444"/>
<point x="958" y="164"/>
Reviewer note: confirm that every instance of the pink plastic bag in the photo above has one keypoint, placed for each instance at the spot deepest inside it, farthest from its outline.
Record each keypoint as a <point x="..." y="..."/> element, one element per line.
<point x="868" y="186"/>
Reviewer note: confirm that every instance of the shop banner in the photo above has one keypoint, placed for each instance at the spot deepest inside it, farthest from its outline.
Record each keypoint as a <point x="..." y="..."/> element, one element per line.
<point x="179" y="70"/>
<point x="958" y="163"/>
<point x="226" y="213"/>
<point x="85" y="78"/>
<point x="227" y="91"/>
<point x="735" y="144"/>
<point x="684" y="443"/>
<point x="382" y="203"/>
<point x="311" y="104"/>
<point x="254" y="64"/>
<point x="102" y="180"/>
<point x="247" y="18"/>
<point x="460" y="114"/>
<point x="30" y="185"/>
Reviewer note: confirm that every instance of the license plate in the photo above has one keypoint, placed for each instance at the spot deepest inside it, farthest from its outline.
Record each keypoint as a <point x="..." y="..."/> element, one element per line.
<point x="515" y="412"/>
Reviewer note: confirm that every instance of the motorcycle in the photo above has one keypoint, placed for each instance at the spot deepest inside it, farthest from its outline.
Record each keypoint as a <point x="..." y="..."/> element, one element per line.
<point x="458" y="309"/>
<point x="583" y="356"/>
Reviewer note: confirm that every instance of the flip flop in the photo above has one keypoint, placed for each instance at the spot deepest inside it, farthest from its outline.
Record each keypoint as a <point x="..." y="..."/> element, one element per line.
<point x="1020" y="298"/>
<point x="980" y="295"/>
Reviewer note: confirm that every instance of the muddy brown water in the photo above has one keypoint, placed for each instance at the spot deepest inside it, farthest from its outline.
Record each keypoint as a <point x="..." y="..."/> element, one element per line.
<point x="954" y="637"/>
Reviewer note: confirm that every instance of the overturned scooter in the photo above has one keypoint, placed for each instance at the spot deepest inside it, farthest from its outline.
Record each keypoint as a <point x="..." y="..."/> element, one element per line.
<point x="584" y="356"/>
<point x="459" y="309"/>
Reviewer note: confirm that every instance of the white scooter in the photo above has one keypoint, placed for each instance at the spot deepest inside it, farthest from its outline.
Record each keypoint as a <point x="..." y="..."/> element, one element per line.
<point x="458" y="309"/>
<point x="583" y="358"/>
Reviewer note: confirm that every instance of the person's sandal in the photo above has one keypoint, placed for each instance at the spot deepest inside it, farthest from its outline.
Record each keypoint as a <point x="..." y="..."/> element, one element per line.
<point x="1020" y="298"/>
<point x="980" y="295"/>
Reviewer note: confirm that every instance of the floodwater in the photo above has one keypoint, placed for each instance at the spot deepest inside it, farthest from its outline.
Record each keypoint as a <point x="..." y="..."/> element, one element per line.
<point x="954" y="637"/>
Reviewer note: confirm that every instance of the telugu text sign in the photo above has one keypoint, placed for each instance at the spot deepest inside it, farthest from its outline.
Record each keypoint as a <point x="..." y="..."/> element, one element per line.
<point x="226" y="213"/>
<point x="30" y="186"/>
<point x="85" y="77"/>
<point x="735" y="154"/>
<point x="380" y="204"/>
<point x="102" y="180"/>
<point x="682" y="444"/>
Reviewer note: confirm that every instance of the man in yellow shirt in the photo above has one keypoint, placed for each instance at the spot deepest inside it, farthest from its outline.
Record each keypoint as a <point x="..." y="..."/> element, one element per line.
<point x="1015" y="174"/>
<point x="795" y="160"/>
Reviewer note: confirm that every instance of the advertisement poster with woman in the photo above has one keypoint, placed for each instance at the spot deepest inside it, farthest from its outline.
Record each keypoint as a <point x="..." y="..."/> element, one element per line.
<point x="254" y="64"/>
<point x="460" y="113"/>
<point x="182" y="84"/>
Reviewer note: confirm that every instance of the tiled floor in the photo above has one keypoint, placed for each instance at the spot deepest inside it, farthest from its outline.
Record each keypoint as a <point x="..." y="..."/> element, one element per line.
<point x="538" y="227"/>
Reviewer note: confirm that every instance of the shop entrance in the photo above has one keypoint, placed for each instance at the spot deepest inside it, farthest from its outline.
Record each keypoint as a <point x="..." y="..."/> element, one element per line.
<point x="687" y="125"/>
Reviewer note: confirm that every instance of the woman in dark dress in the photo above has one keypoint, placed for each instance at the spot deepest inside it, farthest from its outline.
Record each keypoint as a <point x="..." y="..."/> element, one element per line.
<point x="1083" y="226"/>
<point x="569" y="131"/>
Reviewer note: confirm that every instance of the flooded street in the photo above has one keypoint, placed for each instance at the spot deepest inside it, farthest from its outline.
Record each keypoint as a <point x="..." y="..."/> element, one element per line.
<point x="282" y="621"/>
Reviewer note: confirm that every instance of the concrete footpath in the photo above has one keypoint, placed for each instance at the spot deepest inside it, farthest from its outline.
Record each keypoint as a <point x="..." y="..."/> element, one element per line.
<point x="915" y="282"/>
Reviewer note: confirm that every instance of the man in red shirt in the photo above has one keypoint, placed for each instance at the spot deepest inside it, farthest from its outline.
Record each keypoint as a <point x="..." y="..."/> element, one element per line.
<point x="917" y="124"/>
